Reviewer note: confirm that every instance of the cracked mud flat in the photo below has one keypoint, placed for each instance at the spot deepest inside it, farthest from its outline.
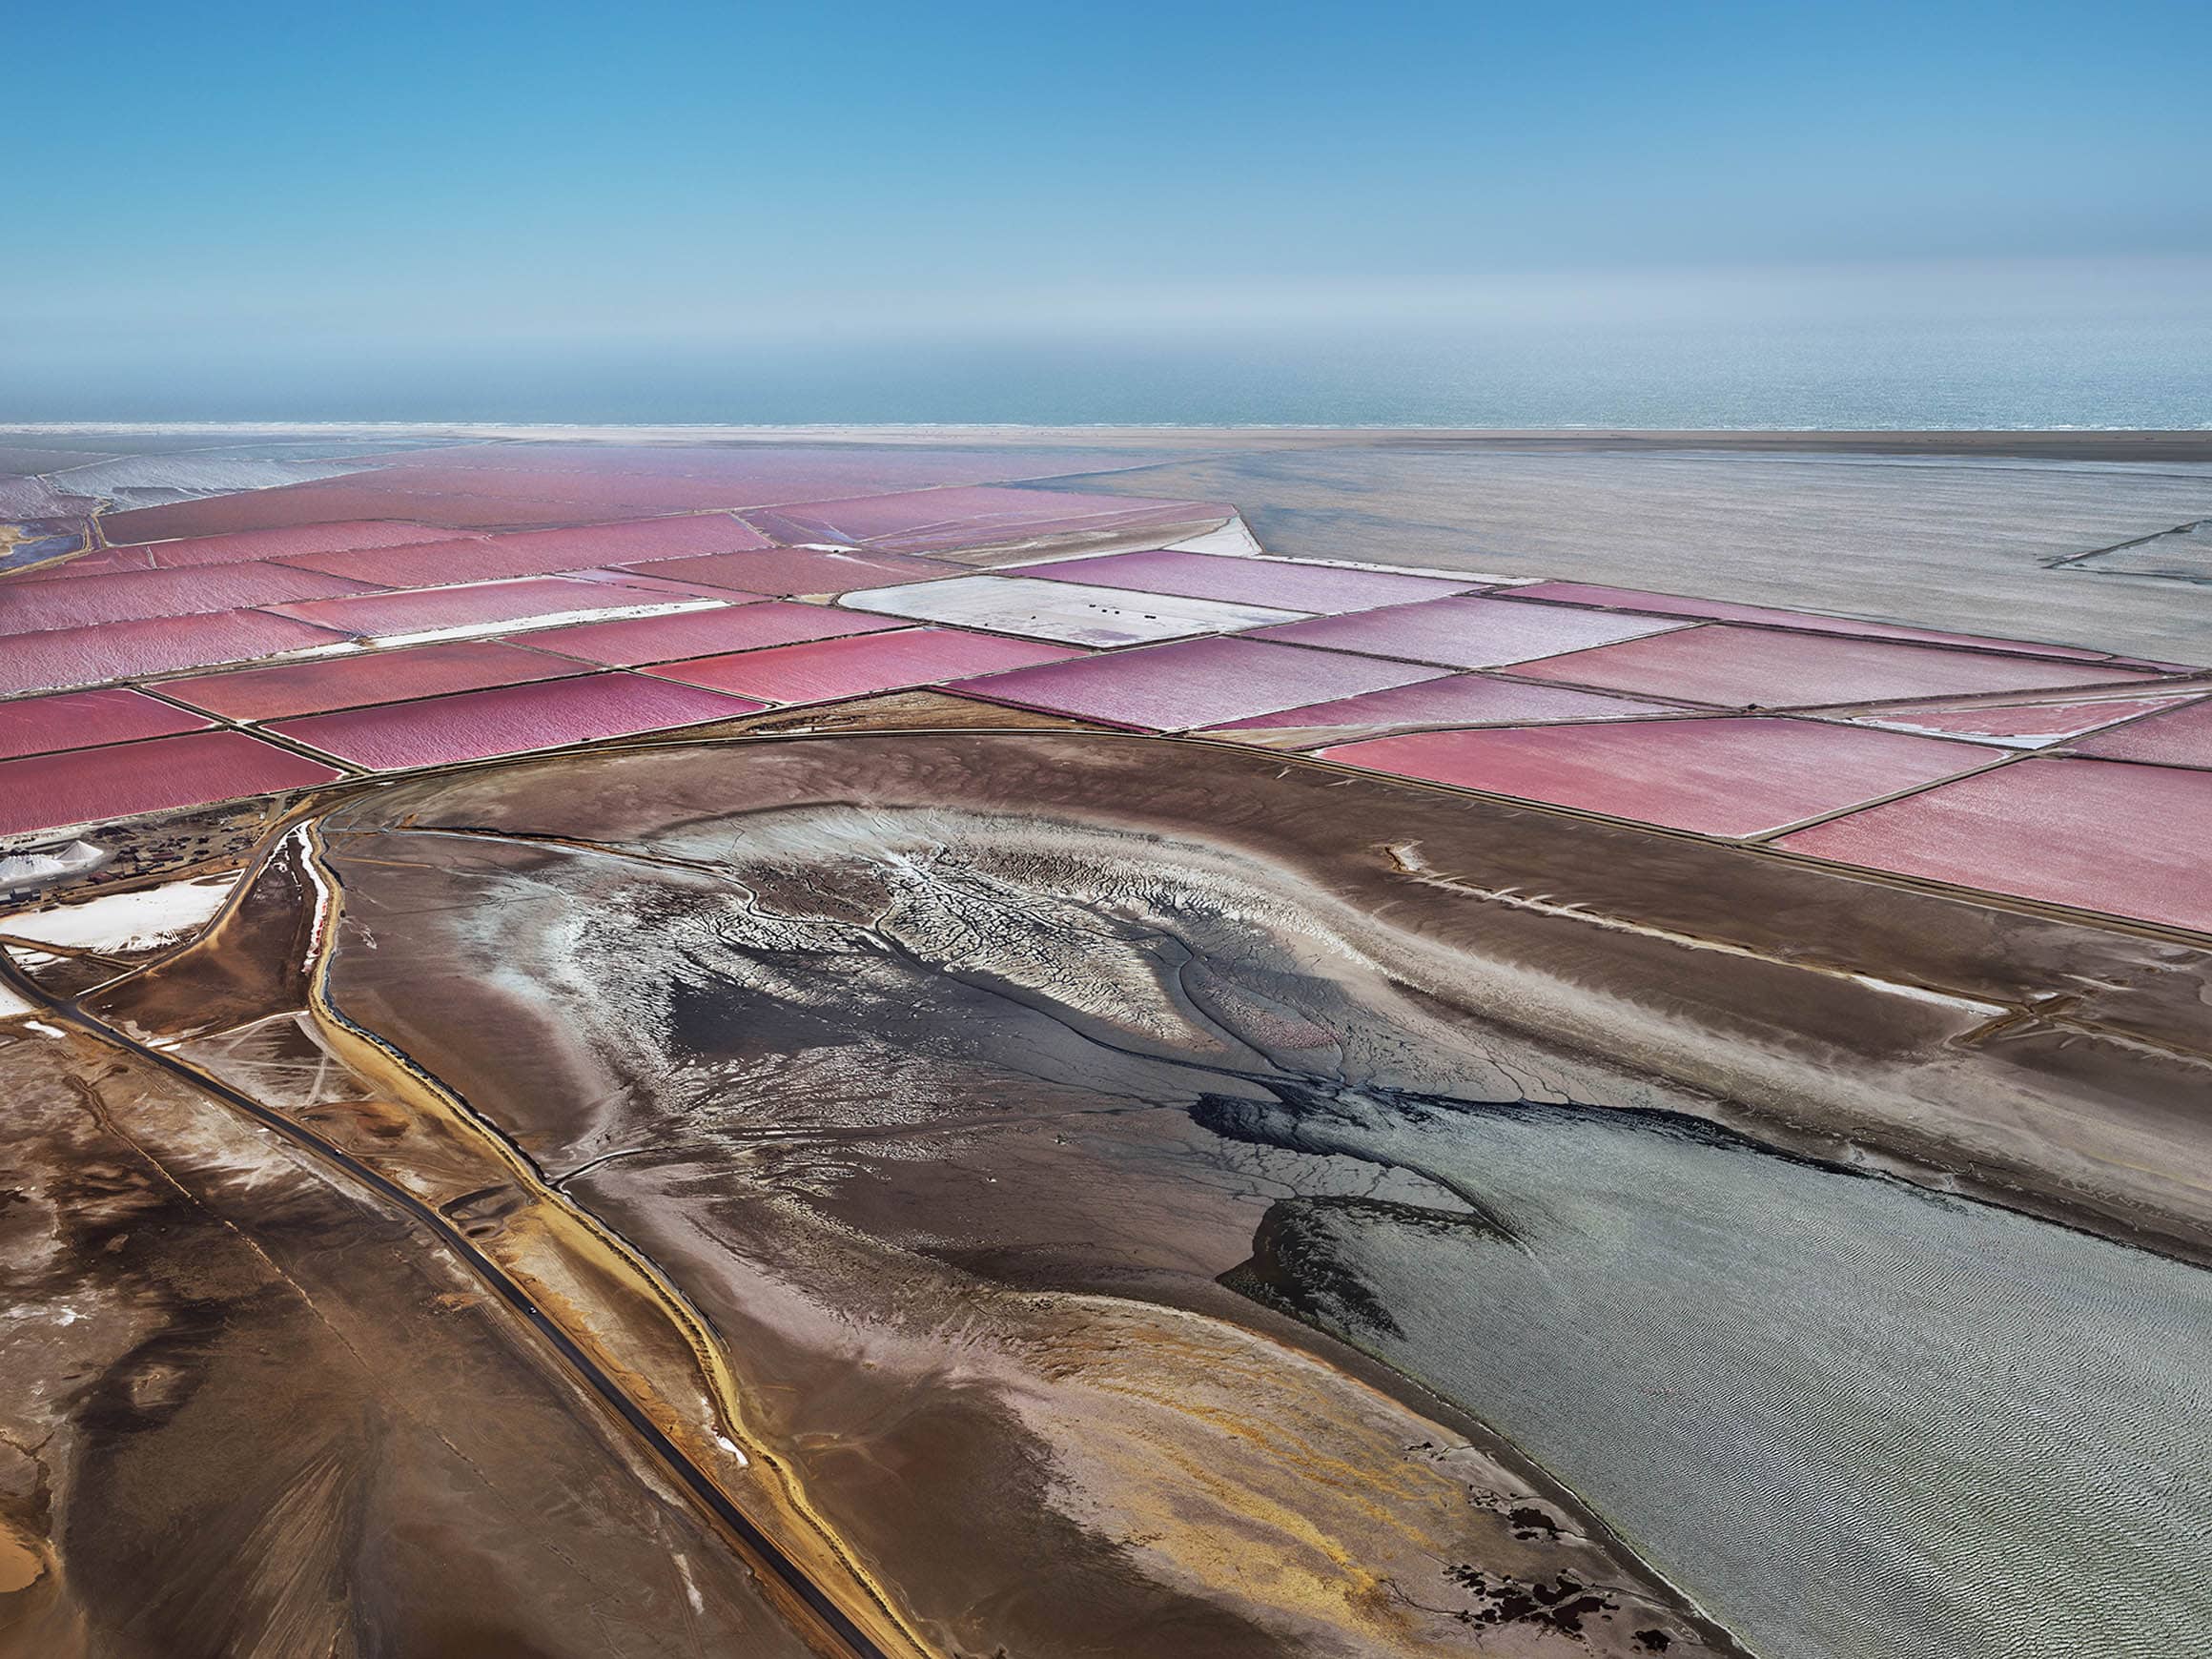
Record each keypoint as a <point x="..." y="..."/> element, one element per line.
<point x="971" y="1149"/>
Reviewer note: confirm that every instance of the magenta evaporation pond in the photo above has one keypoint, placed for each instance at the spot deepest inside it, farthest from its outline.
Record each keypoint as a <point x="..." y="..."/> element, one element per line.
<point x="1280" y="585"/>
<point x="824" y="669"/>
<point x="36" y="606"/>
<point x="509" y="719"/>
<point x="2181" y="738"/>
<point x="390" y="615"/>
<point x="1726" y="777"/>
<point x="90" y="786"/>
<point x="320" y="684"/>
<point x="1192" y="682"/>
<point x="1470" y="631"/>
<point x="543" y="552"/>
<point x="1458" y="699"/>
<point x="2103" y="835"/>
<point x="636" y="641"/>
<point x="789" y="570"/>
<point x="87" y="719"/>
<point x="1741" y="667"/>
<point x="1812" y="621"/>
<point x="68" y="657"/>
<point x="932" y="520"/>
<point x="288" y="541"/>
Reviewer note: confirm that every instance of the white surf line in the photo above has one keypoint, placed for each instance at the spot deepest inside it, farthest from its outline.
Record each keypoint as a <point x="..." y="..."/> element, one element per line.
<point x="1407" y="855"/>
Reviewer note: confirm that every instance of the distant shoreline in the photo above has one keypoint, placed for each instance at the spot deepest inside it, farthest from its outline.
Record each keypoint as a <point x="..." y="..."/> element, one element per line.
<point x="2057" y="443"/>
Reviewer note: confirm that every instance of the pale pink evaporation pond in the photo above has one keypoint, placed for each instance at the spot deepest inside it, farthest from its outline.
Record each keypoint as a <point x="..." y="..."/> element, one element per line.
<point x="2180" y="738"/>
<point x="2102" y="836"/>
<point x="89" y="785"/>
<point x="363" y="677"/>
<point x="1192" y="682"/>
<point x="638" y="580"/>
<point x="245" y="545"/>
<point x="1471" y="631"/>
<point x="68" y="657"/>
<point x="542" y="552"/>
<point x="636" y="641"/>
<point x="2017" y="725"/>
<point x="789" y="570"/>
<point x="1721" y="611"/>
<point x="1722" y="776"/>
<point x="934" y="520"/>
<point x="1320" y="589"/>
<point x="84" y="719"/>
<point x="37" y="606"/>
<point x="386" y="615"/>
<point x="509" y="719"/>
<point x="1456" y="700"/>
<point x="821" y="670"/>
<point x="501" y="487"/>
<point x="1741" y="667"/>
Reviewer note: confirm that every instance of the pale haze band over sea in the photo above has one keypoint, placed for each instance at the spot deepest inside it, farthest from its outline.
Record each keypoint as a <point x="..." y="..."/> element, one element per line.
<point x="2125" y="346"/>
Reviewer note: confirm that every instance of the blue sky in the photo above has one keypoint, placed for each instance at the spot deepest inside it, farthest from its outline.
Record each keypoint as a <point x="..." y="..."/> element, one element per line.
<point x="342" y="183"/>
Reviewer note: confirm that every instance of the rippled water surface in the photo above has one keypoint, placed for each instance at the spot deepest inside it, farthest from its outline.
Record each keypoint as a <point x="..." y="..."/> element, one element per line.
<point x="1856" y="1419"/>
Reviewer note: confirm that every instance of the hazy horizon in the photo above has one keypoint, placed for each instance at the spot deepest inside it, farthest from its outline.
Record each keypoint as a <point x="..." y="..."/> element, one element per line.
<point x="2049" y="344"/>
<point x="1313" y="213"/>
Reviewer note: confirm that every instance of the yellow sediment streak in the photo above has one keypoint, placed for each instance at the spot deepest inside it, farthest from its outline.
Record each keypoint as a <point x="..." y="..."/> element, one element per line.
<point x="600" y="1252"/>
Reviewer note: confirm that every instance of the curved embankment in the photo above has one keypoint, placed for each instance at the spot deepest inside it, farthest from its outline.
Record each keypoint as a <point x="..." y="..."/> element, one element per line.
<point x="885" y="1111"/>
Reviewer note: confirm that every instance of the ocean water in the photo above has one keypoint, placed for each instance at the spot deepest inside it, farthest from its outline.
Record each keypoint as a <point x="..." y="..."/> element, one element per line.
<point x="2097" y="361"/>
<point x="1870" y="378"/>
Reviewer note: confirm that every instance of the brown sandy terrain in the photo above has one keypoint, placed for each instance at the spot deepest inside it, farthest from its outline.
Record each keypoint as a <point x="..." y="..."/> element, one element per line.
<point x="249" y="1413"/>
<point x="842" y="1096"/>
<point x="904" y="1130"/>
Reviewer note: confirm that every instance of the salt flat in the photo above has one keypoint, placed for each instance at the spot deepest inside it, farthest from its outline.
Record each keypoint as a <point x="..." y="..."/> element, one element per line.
<point x="1940" y="534"/>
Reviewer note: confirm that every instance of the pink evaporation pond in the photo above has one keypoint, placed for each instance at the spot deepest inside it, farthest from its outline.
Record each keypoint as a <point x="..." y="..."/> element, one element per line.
<point x="1467" y="632"/>
<point x="466" y="501"/>
<point x="1717" y="777"/>
<point x="245" y="545"/>
<point x="509" y="719"/>
<point x="2182" y="737"/>
<point x="386" y="615"/>
<point x="2101" y="835"/>
<point x="543" y="552"/>
<point x="789" y="570"/>
<point x="30" y="607"/>
<point x="362" y="677"/>
<point x="1191" y="682"/>
<point x="736" y="627"/>
<point x="981" y="516"/>
<point x="464" y="487"/>
<point x="67" y="657"/>
<point x="1275" y="582"/>
<point x="87" y="719"/>
<point x="1738" y="668"/>
<point x="90" y="786"/>
<point x="639" y="581"/>
<point x="1456" y="700"/>
<point x="1719" y="610"/>
<point x="825" y="670"/>
<point x="2016" y="725"/>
